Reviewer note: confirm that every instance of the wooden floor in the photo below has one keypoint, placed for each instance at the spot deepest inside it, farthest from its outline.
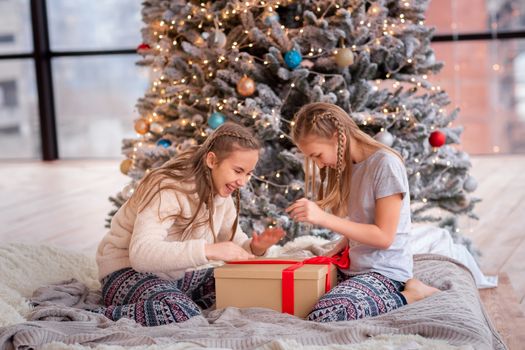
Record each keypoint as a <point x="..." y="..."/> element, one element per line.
<point x="64" y="203"/>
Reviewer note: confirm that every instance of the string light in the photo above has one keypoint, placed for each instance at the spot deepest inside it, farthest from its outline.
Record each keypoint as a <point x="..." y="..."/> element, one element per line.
<point x="241" y="42"/>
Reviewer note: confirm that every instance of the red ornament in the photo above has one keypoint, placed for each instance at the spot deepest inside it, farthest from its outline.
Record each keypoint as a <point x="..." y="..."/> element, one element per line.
<point x="143" y="47"/>
<point x="437" y="139"/>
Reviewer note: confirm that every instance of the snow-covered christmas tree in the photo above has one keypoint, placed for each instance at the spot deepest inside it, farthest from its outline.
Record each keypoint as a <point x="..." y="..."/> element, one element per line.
<point x="257" y="62"/>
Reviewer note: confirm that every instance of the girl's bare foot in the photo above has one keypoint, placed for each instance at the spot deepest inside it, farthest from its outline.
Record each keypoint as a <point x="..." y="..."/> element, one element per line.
<point x="416" y="290"/>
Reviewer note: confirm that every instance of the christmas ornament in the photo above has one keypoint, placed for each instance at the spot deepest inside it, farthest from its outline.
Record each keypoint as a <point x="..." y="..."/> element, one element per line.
<point x="269" y="17"/>
<point x="217" y="39"/>
<point x="125" y="165"/>
<point x="197" y="119"/>
<point x="127" y="191"/>
<point x="344" y="57"/>
<point x="141" y="126"/>
<point x="156" y="128"/>
<point x="216" y="119"/>
<point x="164" y="143"/>
<point x="437" y="139"/>
<point x="292" y="58"/>
<point x="246" y="86"/>
<point x="385" y="138"/>
<point x="470" y="184"/>
<point x="143" y="47"/>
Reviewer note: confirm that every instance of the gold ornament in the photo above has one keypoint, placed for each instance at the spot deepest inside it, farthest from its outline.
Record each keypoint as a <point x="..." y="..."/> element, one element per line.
<point x="125" y="165"/>
<point x="246" y="86"/>
<point x="344" y="57"/>
<point x="141" y="126"/>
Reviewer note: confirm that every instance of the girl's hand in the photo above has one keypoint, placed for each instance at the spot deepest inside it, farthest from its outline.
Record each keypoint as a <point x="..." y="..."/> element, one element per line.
<point x="304" y="210"/>
<point x="339" y="247"/>
<point x="261" y="242"/>
<point x="226" y="251"/>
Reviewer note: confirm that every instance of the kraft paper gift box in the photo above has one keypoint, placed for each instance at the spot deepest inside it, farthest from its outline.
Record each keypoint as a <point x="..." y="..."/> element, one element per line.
<point x="287" y="285"/>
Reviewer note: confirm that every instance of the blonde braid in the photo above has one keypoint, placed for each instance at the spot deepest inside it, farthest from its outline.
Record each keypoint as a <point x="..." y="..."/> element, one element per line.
<point x="230" y="134"/>
<point x="340" y="146"/>
<point x="340" y="149"/>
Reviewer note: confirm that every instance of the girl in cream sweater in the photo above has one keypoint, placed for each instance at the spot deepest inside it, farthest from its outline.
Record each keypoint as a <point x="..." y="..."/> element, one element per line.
<point x="181" y="216"/>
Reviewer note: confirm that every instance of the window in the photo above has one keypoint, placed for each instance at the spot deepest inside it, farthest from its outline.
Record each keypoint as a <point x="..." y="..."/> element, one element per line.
<point x="95" y="98"/>
<point x="94" y="25"/>
<point x="15" y="26"/>
<point x="96" y="86"/>
<point x="484" y="78"/>
<point x="9" y="94"/>
<point x="19" y="127"/>
<point x="476" y="16"/>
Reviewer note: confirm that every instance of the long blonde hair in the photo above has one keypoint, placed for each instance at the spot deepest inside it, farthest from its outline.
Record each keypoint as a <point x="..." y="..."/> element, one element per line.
<point x="190" y="166"/>
<point x="323" y="120"/>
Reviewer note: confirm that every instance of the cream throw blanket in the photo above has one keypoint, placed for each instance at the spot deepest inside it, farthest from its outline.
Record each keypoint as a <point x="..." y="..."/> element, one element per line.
<point x="451" y="319"/>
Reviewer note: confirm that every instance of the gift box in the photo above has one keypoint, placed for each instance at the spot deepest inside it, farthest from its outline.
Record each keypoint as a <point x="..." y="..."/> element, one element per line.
<point x="284" y="285"/>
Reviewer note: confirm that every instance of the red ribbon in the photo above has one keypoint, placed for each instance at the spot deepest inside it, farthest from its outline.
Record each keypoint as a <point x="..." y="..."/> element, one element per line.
<point x="341" y="260"/>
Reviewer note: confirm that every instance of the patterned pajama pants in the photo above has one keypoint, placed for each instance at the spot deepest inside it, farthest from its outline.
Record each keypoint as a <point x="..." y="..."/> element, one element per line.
<point x="360" y="296"/>
<point x="152" y="301"/>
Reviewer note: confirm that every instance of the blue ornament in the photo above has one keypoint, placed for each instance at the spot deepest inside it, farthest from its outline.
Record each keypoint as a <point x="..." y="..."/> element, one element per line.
<point x="164" y="143"/>
<point x="292" y="58"/>
<point x="216" y="119"/>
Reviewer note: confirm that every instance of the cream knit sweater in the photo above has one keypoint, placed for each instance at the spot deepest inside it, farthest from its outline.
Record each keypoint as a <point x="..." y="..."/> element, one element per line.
<point x="147" y="244"/>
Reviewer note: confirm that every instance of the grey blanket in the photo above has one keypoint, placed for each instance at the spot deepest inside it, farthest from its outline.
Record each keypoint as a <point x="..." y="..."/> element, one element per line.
<point x="455" y="315"/>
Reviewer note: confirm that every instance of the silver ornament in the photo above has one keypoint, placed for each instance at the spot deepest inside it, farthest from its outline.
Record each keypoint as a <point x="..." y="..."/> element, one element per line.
<point x="197" y="119"/>
<point x="385" y="138"/>
<point x="127" y="191"/>
<point x="217" y="39"/>
<point x="470" y="184"/>
<point x="156" y="128"/>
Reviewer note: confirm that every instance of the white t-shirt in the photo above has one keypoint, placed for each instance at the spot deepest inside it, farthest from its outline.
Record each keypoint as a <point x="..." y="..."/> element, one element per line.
<point x="382" y="174"/>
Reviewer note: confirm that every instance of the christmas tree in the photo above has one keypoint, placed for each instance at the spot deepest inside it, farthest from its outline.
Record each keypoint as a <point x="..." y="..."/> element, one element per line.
<point x="257" y="62"/>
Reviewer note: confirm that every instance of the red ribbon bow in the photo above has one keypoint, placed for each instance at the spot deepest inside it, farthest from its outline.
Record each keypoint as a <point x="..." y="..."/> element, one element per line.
<point x="341" y="260"/>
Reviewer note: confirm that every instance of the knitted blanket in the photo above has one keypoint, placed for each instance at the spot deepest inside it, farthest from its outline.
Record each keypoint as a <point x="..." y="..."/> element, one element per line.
<point x="455" y="316"/>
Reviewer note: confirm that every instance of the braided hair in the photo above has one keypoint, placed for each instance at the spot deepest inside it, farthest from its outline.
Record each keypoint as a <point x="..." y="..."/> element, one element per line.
<point x="190" y="168"/>
<point x="322" y="120"/>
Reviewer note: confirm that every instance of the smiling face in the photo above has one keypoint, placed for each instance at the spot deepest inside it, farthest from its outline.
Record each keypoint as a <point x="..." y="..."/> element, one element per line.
<point x="232" y="172"/>
<point x="321" y="150"/>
